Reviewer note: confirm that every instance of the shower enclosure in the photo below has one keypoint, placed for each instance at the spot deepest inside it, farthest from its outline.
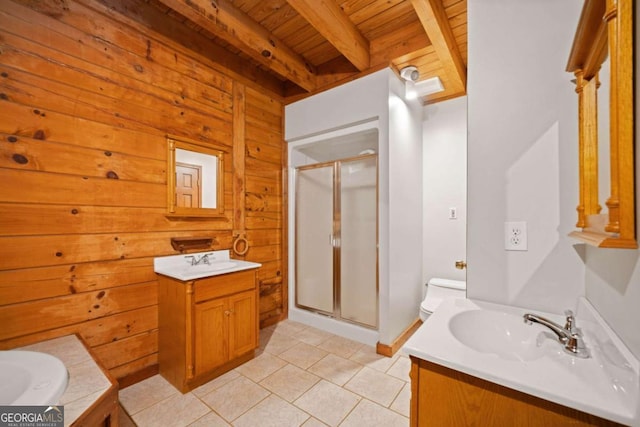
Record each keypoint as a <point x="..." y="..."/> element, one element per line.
<point x="336" y="259"/>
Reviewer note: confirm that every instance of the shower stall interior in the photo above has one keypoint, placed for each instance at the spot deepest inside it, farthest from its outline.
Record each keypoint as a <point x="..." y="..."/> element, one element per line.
<point x="336" y="238"/>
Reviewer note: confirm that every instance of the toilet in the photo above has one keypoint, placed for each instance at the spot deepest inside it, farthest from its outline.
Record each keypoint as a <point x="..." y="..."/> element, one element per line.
<point x="438" y="290"/>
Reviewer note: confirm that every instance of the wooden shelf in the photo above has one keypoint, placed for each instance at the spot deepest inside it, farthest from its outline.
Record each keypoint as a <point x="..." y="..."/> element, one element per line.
<point x="185" y="243"/>
<point x="594" y="234"/>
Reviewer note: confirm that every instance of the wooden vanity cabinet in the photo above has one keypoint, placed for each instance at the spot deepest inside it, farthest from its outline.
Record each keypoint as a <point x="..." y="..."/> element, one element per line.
<point x="206" y="326"/>
<point x="442" y="396"/>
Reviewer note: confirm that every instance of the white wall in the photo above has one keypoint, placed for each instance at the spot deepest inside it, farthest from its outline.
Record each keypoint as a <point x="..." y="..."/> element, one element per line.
<point x="613" y="276"/>
<point x="372" y="97"/>
<point x="522" y="153"/>
<point x="405" y="212"/>
<point x="444" y="186"/>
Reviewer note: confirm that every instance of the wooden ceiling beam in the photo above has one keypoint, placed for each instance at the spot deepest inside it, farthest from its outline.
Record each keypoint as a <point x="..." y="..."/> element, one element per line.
<point x="236" y="28"/>
<point x="334" y="25"/>
<point x="139" y="12"/>
<point x="436" y="24"/>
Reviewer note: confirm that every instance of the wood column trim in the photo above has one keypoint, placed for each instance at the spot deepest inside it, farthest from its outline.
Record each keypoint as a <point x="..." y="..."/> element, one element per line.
<point x="239" y="149"/>
<point x="390" y="349"/>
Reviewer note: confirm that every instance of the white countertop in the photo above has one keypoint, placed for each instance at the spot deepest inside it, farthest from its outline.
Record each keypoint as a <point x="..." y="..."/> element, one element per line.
<point x="606" y="384"/>
<point x="217" y="262"/>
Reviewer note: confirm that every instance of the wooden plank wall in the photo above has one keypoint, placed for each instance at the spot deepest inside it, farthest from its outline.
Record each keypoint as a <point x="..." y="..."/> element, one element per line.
<point x="87" y="96"/>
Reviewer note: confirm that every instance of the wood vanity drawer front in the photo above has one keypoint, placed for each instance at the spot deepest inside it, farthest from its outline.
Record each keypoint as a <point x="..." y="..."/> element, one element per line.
<point x="225" y="284"/>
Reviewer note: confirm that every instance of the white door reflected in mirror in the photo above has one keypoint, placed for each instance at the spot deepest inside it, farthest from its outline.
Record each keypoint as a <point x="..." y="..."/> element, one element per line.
<point x="196" y="179"/>
<point x="195" y="173"/>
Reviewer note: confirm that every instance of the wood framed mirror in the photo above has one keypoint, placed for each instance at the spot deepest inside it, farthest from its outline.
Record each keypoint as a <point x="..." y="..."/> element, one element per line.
<point x="195" y="179"/>
<point x="605" y="36"/>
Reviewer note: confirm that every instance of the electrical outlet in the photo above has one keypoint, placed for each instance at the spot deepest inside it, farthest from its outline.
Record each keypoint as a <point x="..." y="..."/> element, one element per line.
<point x="515" y="236"/>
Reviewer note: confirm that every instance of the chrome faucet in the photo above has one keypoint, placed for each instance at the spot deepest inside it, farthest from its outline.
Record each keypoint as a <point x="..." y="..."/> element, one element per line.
<point x="568" y="335"/>
<point x="204" y="259"/>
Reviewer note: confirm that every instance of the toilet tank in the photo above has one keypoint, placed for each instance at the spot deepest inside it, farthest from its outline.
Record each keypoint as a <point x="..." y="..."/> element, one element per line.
<point x="439" y="289"/>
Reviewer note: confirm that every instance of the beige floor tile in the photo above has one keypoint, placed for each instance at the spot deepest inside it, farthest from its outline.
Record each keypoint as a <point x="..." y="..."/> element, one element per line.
<point x="145" y="394"/>
<point x="235" y="398"/>
<point x="312" y="422"/>
<point x="328" y="402"/>
<point x="178" y="410"/>
<point x="375" y="385"/>
<point x="290" y="328"/>
<point x="336" y="369"/>
<point x="289" y="382"/>
<point x="210" y="420"/>
<point x="272" y="412"/>
<point x="265" y="335"/>
<point x="278" y="343"/>
<point x="261" y="366"/>
<point x="401" y="368"/>
<point x="341" y="346"/>
<point x="294" y="380"/>
<point x="303" y="355"/>
<point x="367" y="356"/>
<point x="313" y="336"/>
<point x="215" y="383"/>
<point x="370" y="414"/>
<point x="402" y="403"/>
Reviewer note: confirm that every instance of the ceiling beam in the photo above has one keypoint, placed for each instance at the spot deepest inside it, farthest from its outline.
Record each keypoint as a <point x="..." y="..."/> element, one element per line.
<point x="334" y="25"/>
<point x="436" y="24"/>
<point x="140" y="12"/>
<point x="233" y="26"/>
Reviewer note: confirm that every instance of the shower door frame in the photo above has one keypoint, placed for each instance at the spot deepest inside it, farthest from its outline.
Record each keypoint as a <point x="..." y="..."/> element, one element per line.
<point x="336" y="240"/>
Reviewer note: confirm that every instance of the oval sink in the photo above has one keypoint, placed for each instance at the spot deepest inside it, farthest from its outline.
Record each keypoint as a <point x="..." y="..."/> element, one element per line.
<point x="503" y="334"/>
<point x="31" y="378"/>
<point x="214" y="266"/>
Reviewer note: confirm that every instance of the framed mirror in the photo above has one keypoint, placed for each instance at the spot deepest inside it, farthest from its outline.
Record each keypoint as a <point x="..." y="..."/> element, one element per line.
<point x="604" y="38"/>
<point x="195" y="179"/>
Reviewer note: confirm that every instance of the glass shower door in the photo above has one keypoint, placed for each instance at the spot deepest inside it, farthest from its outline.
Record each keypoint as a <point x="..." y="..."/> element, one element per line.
<point x="336" y="239"/>
<point x="358" y="241"/>
<point x="314" y="238"/>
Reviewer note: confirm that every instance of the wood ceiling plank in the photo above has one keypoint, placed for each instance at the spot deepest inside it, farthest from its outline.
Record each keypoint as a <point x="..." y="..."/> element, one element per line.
<point x="371" y="10"/>
<point x="262" y="9"/>
<point x="238" y="29"/>
<point x="435" y="22"/>
<point x="390" y="47"/>
<point x="398" y="18"/>
<point x="330" y="21"/>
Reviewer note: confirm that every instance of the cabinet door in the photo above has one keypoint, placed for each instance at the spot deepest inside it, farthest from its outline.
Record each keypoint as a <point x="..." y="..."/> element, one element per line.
<point x="210" y="335"/>
<point x="243" y="335"/>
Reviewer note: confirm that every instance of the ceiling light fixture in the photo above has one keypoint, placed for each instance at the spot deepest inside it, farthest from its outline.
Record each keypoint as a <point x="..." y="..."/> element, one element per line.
<point x="410" y="73"/>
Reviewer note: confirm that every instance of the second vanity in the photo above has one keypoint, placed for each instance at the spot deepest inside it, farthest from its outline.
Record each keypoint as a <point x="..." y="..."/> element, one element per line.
<point x="477" y="363"/>
<point x="207" y="317"/>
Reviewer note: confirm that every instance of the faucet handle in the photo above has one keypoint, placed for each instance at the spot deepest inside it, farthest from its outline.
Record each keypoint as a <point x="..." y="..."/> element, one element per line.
<point x="570" y="324"/>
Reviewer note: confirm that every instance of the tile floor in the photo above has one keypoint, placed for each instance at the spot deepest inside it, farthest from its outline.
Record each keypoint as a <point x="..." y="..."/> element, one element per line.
<point x="301" y="376"/>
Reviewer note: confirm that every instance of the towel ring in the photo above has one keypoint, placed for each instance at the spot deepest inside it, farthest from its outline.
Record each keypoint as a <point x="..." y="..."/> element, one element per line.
<point x="235" y="245"/>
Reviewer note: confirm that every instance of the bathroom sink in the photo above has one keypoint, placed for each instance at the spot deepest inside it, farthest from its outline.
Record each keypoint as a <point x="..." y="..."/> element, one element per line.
<point x="214" y="266"/>
<point x="199" y="265"/>
<point x="493" y="332"/>
<point x="31" y="378"/>
<point x="491" y="341"/>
